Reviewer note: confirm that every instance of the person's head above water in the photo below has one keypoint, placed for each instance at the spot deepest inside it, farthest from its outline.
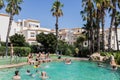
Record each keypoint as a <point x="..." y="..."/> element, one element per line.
<point x="16" y="72"/>
<point x="28" y="71"/>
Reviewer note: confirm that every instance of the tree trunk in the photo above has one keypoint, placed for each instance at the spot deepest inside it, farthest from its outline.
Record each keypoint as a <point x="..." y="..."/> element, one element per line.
<point x="111" y="25"/>
<point x="8" y="32"/>
<point x="56" y="27"/>
<point x="98" y="32"/>
<point x="116" y="36"/>
<point x="103" y="43"/>
<point x="89" y="40"/>
<point x="92" y="31"/>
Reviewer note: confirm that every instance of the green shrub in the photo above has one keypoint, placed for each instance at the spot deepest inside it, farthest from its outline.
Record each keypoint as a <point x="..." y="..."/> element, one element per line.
<point x="108" y="54"/>
<point x="83" y="52"/>
<point x="22" y="51"/>
<point x="115" y="54"/>
<point x="69" y="50"/>
<point x="34" y="48"/>
<point x="117" y="57"/>
<point x="2" y="51"/>
<point x="2" y="43"/>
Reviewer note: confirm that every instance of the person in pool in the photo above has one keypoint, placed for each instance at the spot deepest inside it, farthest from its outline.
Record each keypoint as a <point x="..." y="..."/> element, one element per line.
<point x="37" y="66"/>
<point x="67" y="61"/>
<point x="43" y="75"/>
<point x="28" y="72"/>
<point x="113" y="63"/>
<point x="16" y="76"/>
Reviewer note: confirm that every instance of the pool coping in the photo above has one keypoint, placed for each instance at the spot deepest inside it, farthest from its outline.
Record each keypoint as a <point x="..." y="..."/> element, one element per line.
<point x="25" y="63"/>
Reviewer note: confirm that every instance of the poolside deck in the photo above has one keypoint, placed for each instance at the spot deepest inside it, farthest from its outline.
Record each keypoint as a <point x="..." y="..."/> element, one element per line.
<point x="12" y="65"/>
<point x="25" y="63"/>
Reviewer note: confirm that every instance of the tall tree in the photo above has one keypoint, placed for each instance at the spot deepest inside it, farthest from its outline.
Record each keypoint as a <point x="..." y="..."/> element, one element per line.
<point x="105" y="4"/>
<point x="47" y="40"/>
<point x="117" y="22"/>
<point x="112" y="23"/>
<point x="17" y="40"/>
<point x="13" y="8"/>
<point x="88" y="10"/>
<point x="57" y="12"/>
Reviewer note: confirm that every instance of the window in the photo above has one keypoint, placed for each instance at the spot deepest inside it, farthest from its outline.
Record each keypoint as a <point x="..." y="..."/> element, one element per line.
<point x="112" y="37"/>
<point x="113" y="45"/>
<point x="20" y="23"/>
<point x="14" y="31"/>
<point x="37" y="26"/>
<point x="106" y="37"/>
<point x="32" y="34"/>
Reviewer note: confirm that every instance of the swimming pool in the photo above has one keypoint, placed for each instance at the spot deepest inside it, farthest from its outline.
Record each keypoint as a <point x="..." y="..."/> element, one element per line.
<point x="78" y="70"/>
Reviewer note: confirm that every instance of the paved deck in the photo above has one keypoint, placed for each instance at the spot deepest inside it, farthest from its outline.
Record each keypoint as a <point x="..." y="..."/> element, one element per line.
<point x="25" y="63"/>
<point x="12" y="65"/>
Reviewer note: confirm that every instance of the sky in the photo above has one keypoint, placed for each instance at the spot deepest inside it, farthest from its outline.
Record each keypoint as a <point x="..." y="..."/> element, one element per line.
<point x="41" y="10"/>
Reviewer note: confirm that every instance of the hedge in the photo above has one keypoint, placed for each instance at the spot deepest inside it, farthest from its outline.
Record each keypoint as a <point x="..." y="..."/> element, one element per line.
<point x="19" y="51"/>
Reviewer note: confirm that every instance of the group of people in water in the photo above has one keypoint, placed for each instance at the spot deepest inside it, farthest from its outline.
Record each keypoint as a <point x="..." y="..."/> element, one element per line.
<point x="40" y="57"/>
<point x="43" y="75"/>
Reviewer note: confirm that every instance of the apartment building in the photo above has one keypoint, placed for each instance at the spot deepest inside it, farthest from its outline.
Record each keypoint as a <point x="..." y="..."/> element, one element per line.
<point x="113" y="38"/>
<point x="28" y="27"/>
<point x="4" y="21"/>
<point x="70" y="35"/>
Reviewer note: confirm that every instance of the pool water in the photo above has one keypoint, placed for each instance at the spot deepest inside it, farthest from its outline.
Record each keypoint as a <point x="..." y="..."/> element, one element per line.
<point x="78" y="70"/>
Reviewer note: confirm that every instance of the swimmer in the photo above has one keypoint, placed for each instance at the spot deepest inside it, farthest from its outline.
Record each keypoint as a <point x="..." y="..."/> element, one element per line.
<point x="37" y="66"/>
<point x="114" y="67"/>
<point x="43" y="75"/>
<point x="37" y="71"/>
<point x="67" y="61"/>
<point x="28" y="72"/>
<point x="16" y="76"/>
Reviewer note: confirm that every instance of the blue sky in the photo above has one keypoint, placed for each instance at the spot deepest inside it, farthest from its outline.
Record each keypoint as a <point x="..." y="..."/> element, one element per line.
<point x="40" y="10"/>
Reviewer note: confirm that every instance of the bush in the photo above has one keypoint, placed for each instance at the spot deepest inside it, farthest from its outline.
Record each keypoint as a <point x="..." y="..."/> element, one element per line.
<point x="69" y="50"/>
<point x="2" y="43"/>
<point x="2" y="51"/>
<point x="84" y="52"/>
<point x="115" y="54"/>
<point x="22" y="51"/>
<point x="108" y="54"/>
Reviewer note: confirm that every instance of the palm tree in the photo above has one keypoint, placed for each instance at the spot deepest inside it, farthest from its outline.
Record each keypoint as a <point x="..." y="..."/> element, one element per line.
<point x="112" y="23"/>
<point x="104" y="6"/>
<point x="1" y="4"/>
<point x="117" y="22"/>
<point x="13" y="8"/>
<point x="88" y="10"/>
<point x="57" y="12"/>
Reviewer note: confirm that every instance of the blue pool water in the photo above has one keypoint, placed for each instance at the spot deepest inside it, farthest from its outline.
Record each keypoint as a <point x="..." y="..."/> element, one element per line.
<point x="78" y="70"/>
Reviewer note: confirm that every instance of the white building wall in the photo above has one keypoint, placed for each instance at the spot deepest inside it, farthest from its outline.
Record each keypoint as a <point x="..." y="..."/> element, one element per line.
<point x="14" y="28"/>
<point x="4" y="21"/>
